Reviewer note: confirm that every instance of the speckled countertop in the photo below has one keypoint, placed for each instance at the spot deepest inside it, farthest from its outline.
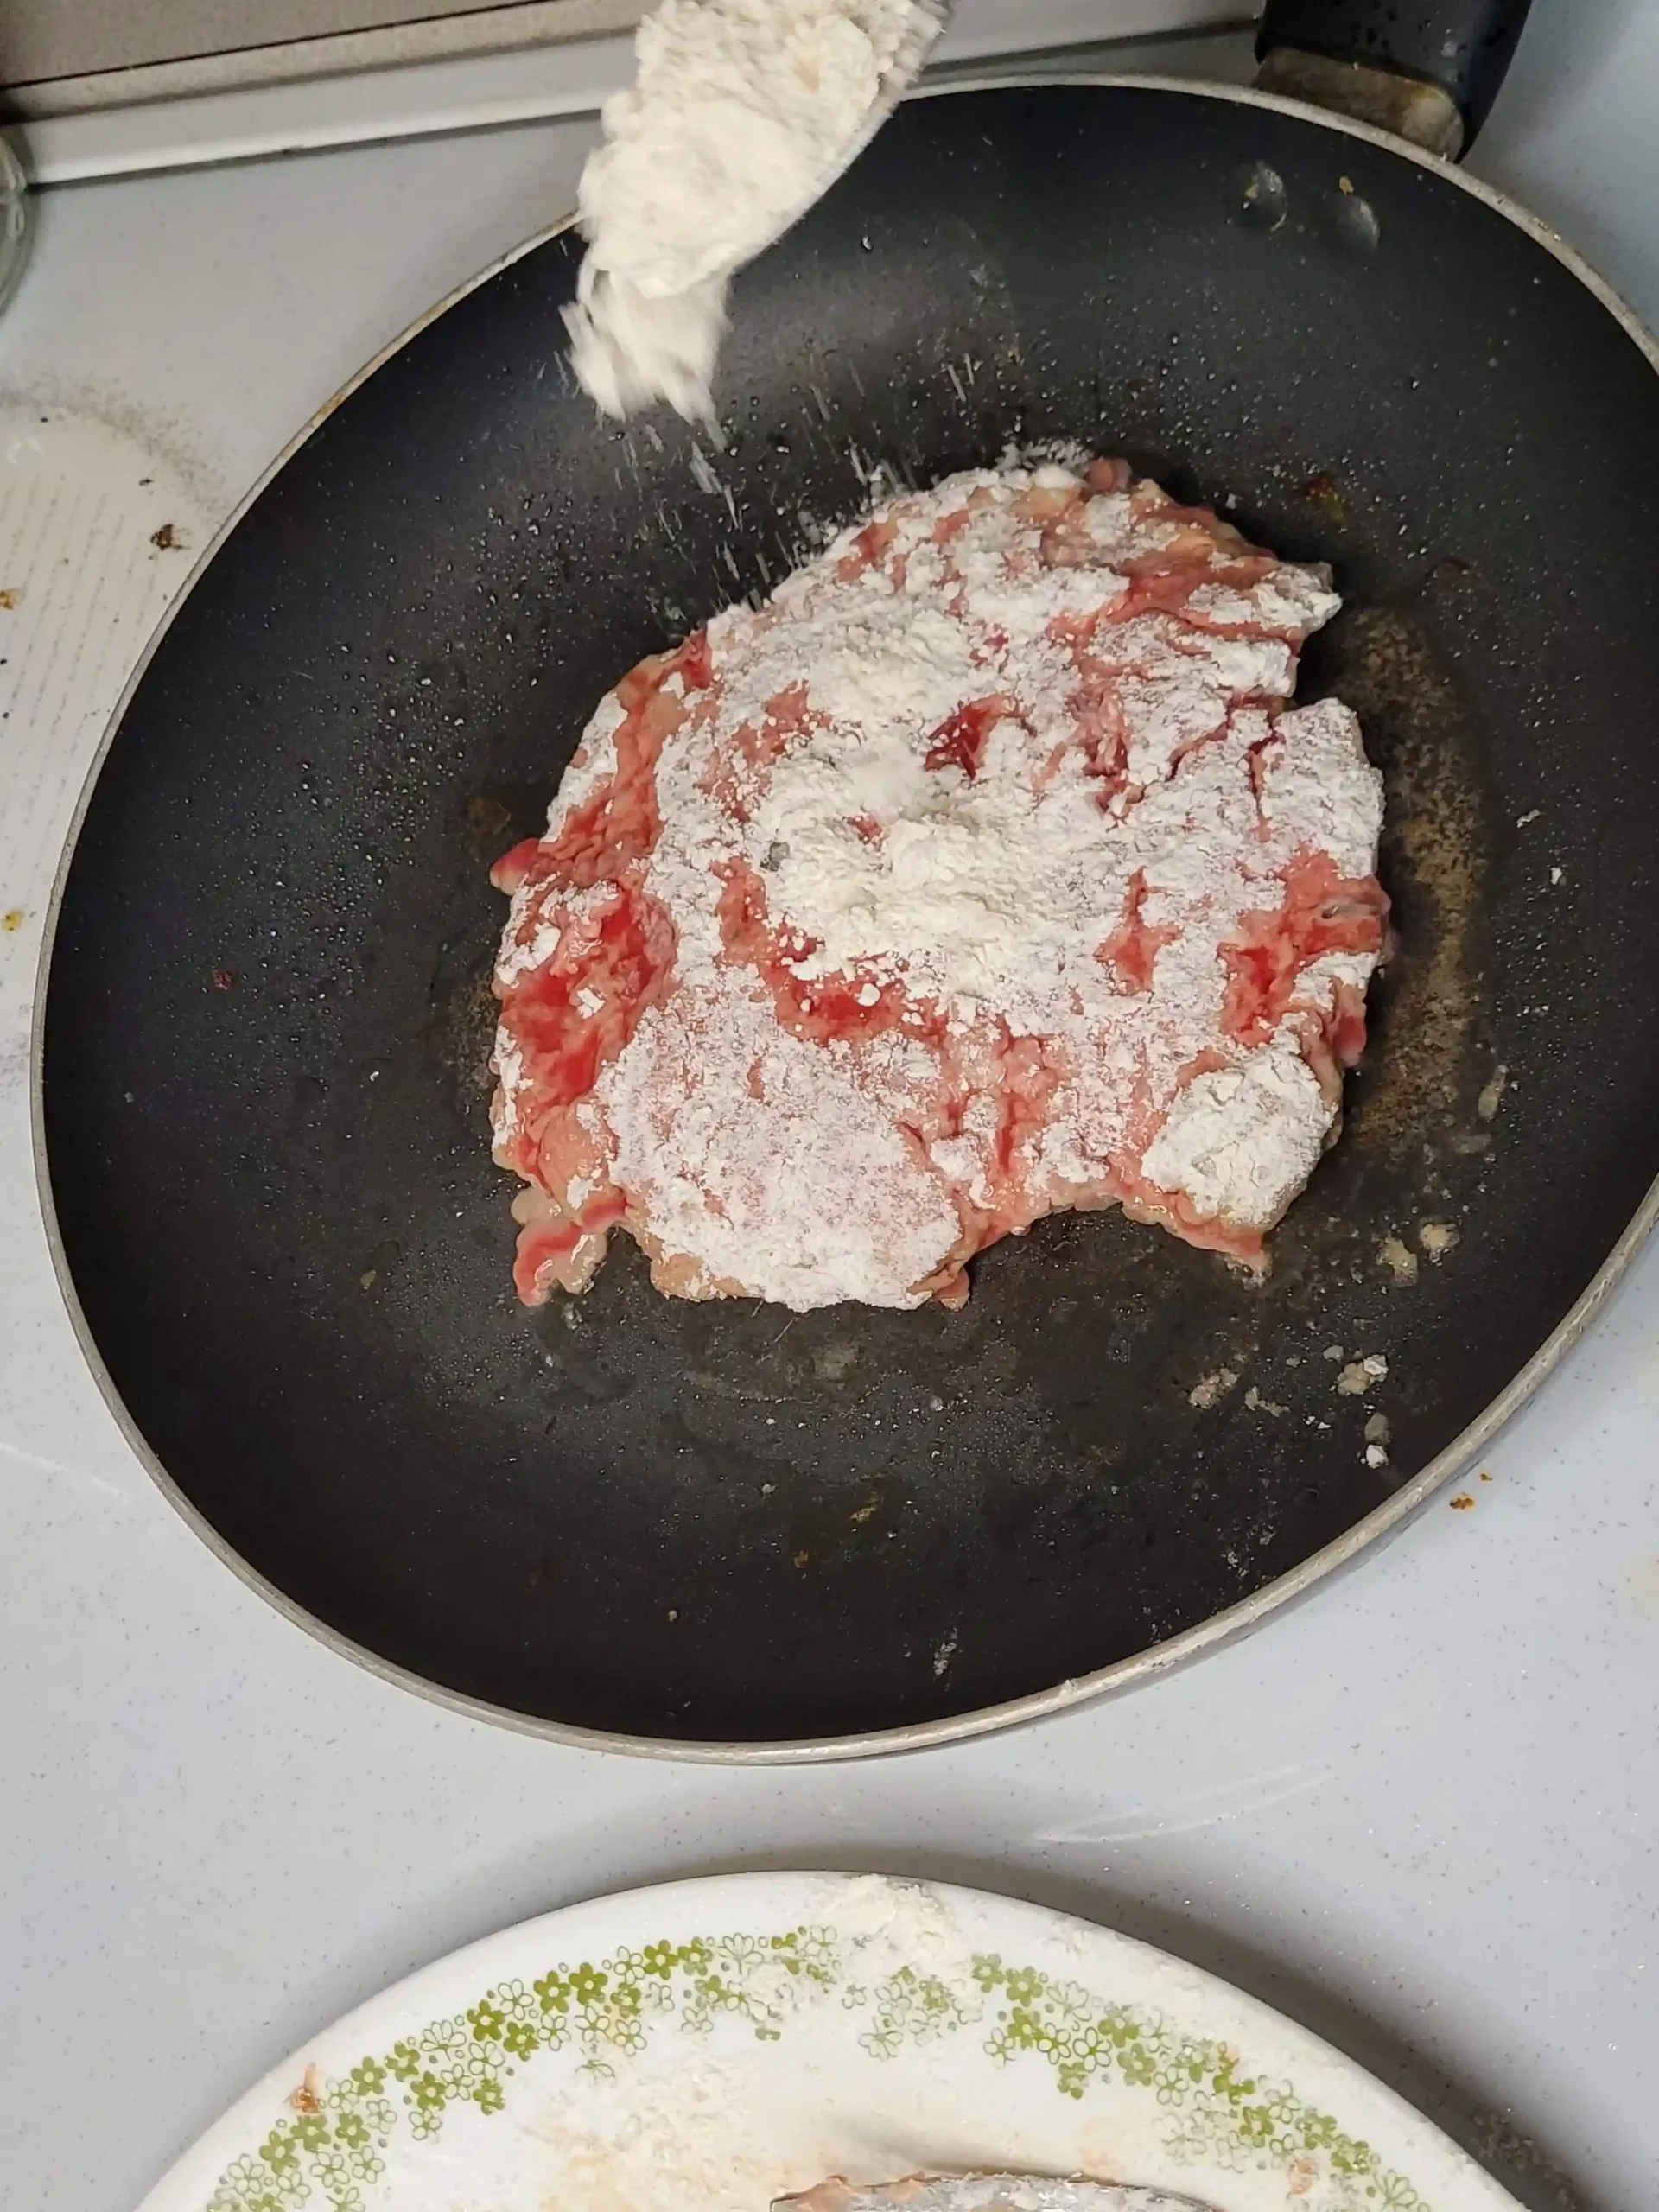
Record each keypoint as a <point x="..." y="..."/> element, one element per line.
<point x="1418" y="1813"/>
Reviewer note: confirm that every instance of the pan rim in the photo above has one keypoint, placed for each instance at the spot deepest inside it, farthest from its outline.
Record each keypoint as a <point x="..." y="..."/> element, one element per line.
<point x="1212" y="1634"/>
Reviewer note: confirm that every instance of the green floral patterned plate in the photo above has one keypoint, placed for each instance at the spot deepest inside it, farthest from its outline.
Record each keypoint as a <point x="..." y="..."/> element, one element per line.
<point x="707" y="2046"/>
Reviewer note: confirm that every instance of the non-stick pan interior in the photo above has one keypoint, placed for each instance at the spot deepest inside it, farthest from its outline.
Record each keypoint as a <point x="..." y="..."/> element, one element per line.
<point x="268" y="1024"/>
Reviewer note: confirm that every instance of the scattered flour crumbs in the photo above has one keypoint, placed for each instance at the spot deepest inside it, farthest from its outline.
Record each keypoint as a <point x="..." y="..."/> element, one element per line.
<point x="741" y="112"/>
<point x="715" y="2133"/>
<point x="895" y="1924"/>
<point x="695" y="2141"/>
<point x="982" y="873"/>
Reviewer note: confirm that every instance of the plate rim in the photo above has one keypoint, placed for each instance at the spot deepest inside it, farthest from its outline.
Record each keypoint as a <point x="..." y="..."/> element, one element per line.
<point x="188" y="2182"/>
<point x="1190" y="1644"/>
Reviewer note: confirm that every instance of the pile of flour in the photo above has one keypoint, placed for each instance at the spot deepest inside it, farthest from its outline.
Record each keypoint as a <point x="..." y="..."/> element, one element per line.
<point x="742" y="113"/>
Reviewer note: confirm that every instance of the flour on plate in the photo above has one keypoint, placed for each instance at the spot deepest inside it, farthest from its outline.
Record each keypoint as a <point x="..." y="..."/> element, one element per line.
<point x="741" y="113"/>
<point x="981" y="873"/>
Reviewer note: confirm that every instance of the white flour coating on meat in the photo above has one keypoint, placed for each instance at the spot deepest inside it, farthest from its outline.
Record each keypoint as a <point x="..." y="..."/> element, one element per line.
<point x="981" y="873"/>
<point x="740" y="114"/>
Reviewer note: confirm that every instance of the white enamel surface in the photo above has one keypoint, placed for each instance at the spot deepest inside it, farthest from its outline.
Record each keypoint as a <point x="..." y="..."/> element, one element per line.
<point x="1418" y="1813"/>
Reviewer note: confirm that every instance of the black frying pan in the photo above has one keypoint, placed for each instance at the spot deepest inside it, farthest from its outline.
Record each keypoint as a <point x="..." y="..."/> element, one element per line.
<point x="265" y="1036"/>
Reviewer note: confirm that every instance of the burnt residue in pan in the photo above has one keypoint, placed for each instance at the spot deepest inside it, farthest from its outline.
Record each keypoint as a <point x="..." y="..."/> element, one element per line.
<point x="1429" y="1057"/>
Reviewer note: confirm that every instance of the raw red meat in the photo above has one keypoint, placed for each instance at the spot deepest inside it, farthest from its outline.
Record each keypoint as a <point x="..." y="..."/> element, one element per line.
<point x="982" y="872"/>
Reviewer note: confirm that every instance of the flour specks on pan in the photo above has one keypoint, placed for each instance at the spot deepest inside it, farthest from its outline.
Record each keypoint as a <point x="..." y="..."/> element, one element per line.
<point x="981" y="873"/>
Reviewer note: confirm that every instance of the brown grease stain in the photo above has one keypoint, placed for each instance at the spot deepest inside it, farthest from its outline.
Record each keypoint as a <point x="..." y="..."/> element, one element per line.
<point x="488" y="820"/>
<point x="1322" y="493"/>
<point x="308" y="2096"/>
<point x="467" y="1037"/>
<point x="1435" y="860"/>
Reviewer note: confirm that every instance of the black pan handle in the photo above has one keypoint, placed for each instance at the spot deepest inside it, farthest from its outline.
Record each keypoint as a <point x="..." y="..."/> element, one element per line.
<point x="1352" y="49"/>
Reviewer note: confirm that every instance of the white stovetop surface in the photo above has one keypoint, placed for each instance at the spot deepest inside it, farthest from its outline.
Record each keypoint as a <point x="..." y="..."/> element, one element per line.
<point x="1419" y="1812"/>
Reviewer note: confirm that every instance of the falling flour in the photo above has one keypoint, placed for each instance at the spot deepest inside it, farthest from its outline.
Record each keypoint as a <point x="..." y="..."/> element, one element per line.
<point x="741" y="112"/>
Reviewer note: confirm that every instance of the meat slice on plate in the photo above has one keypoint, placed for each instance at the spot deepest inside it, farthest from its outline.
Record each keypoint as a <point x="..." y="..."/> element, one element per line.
<point x="983" y="871"/>
<point x="984" y="2193"/>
